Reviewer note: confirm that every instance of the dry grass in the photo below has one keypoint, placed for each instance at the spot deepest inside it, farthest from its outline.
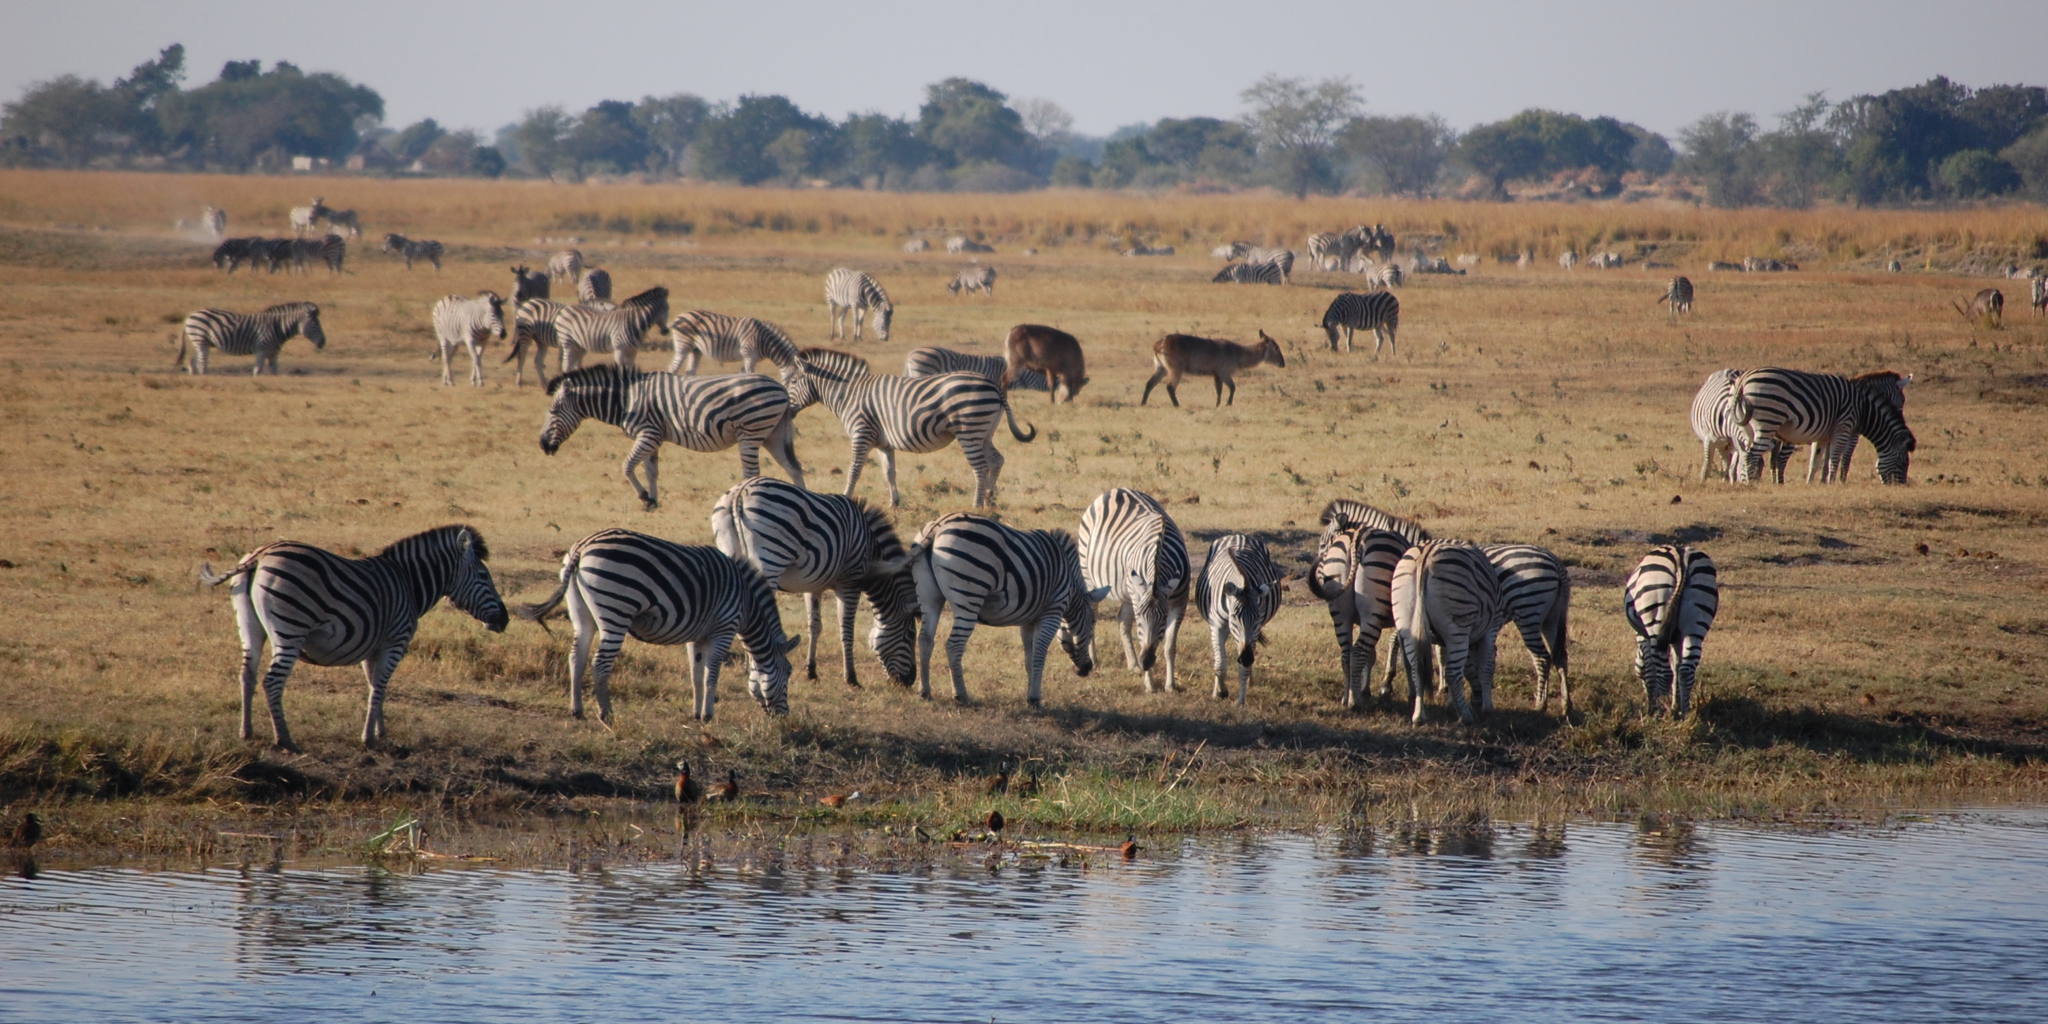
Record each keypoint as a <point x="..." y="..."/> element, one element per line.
<point x="1847" y="667"/>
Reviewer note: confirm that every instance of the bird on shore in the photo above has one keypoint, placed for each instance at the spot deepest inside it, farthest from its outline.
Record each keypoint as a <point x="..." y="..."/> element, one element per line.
<point x="727" y="791"/>
<point x="994" y="821"/>
<point x="839" y="799"/>
<point x="27" y="832"/>
<point x="688" y="790"/>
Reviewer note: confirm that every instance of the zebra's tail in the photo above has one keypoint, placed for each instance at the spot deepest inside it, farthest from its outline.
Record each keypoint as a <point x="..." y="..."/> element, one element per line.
<point x="1668" y="628"/>
<point x="178" y="339"/>
<point x="212" y="579"/>
<point x="540" y="612"/>
<point x="1011" y="415"/>
<point x="1337" y="587"/>
<point x="1421" y="650"/>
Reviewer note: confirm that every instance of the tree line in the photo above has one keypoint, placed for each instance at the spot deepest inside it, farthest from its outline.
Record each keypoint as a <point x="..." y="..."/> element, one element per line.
<point x="1938" y="140"/>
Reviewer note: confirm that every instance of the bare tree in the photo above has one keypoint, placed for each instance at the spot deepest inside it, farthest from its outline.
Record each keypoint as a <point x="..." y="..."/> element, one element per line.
<point x="1296" y="123"/>
<point x="1048" y="122"/>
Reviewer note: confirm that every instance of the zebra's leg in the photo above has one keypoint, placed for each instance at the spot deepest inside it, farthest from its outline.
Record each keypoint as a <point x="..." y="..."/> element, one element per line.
<point x="862" y="438"/>
<point x="447" y="378"/>
<point x="1460" y="653"/>
<point x="377" y="671"/>
<point x="1653" y="667"/>
<point x="1340" y="621"/>
<point x="1482" y="671"/>
<point x="284" y="654"/>
<point x="931" y="602"/>
<point x="849" y="602"/>
<point x="965" y="617"/>
<point x="646" y="451"/>
<point x="713" y="656"/>
<point x="610" y="638"/>
<point x="860" y="313"/>
<point x="812" y="615"/>
<point x="782" y="448"/>
<point x="1707" y="457"/>
<point x="253" y="636"/>
<point x="1219" y="634"/>
<point x="1125" y="620"/>
<point x="476" y="364"/>
<point x="1038" y="638"/>
<point x="750" y="457"/>
<point x="1688" y="671"/>
<point x="889" y="473"/>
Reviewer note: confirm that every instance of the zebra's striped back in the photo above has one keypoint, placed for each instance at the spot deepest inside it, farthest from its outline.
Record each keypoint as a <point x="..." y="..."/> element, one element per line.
<point x="1777" y="405"/>
<point x="1329" y="250"/>
<point x="1249" y="273"/>
<point x="241" y="334"/>
<point x="1128" y="544"/>
<point x="414" y="250"/>
<point x="848" y="290"/>
<point x="1281" y="258"/>
<point x="596" y="286"/>
<point x="727" y="339"/>
<point x="468" y="321"/>
<point x="974" y="279"/>
<point x="567" y="263"/>
<point x="990" y="573"/>
<point x="926" y="362"/>
<point x="1446" y="595"/>
<point x="580" y="329"/>
<point x="1378" y="312"/>
<point x="1349" y="513"/>
<point x="1670" y="601"/>
<point x="1536" y="595"/>
<point x="1237" y="593"/>
<point x="345" y="221"/>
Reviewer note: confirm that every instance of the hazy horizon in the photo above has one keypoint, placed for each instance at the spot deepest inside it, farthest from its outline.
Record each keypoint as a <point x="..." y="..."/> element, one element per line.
<point x="1661" y="66"/>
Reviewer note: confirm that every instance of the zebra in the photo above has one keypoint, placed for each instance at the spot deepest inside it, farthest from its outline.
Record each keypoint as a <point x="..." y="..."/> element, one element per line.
<point x="214" y="220"/>
<point x="567" y="263"/>
<point x="1353" y="572"/>
<point x="528" y="284"/>
<point x="241" y="334"/>
<point x="991" y="573"/>
<point x="1329" y="250"/>
<point x="1131" y="547"/>
<point x="727" y="339"/>
<point x="279" y="252"/>
<point x="1446" y="594"/>
<point x="534" y="324"/>
<point x="580" y="329"/>
<point x="1237" y="593"/>
<point x="1568" y="259"/>
<point x="1721" y="435"/>
<point x="330" y="250"/>
<point x="425" y="249"/>
<point x="595" y="286"/>
<point x="1249" y="273"/>
<point x="1536" y="595"/>
<point x="304" y="217"/>
<point x="1387" y="276"/>
<point x="927" y="362"/>
<point x="813" y="544"/>
<point x="906" y="414"/>
<point x="1282" y="258"/>
<point x="2040" y="296"/>
<point x="961" y="243"/>
<point x="850" y="291"/>
<point x="232" y="252"/>
<point x="918" y="245"/>
<point x="1670" y="600"/>
<point x="1230" y="250"/>
<point x="702" y="414"/>
<point x="312" y="604"/>
<point x="974" y="279"/>
<point x="1791" y="407"/>
<point x="462" y="320"/>
<point x="618" y="583"/>
<point x="1679" y="296"/>
<point x="1348" y="513"/>
<point x="1379" y="312"/>
<point x="345" y="220"/>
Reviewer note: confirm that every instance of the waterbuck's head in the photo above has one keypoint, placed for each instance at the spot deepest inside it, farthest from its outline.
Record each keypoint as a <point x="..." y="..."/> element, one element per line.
<point x="1269" y="350"/>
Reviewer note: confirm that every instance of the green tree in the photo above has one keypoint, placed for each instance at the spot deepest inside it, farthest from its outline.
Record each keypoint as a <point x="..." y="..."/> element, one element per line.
<point x="966" y="122"/>
<point x="607" y="139"/>
<point x="538" y="140"/>
<point x="733" y="145"/>
<point x="71" y="121"/>
<point x="1502" y="152"/>
<point x="413" y="142"/>
<point x="1721" y="150"/>
<point x="1296" y="123"/>
<point x="1977" y="173"/>
<point x="669" y="124"/>
<point x="2029" y="158"/>
<point x="1802" y="158"/>
<point x="881" y="151"/>
<point x="1401" y="155"/>
<point x="243" y="119"/>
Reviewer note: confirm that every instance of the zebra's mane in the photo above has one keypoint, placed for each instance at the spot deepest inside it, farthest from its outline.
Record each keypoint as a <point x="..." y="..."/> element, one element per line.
<point x="1348" y="512"/>
<point x="647" y="298"/>
<point x="440" y="536"/>
<point x="601" y="374"/>
<point x="290" y="309"/>
<point x="834" y="361"/>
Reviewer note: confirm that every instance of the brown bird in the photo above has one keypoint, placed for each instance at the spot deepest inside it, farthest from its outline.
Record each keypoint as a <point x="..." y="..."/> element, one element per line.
<point x="27" y="832"/>
<point x="838" y="799"/>
<point x="994" y="821"/>
<point x="688" y="790"/>
<point x="1130" y="848"/>
<point x="727" y="791"/>
<point x="999" y="784"/>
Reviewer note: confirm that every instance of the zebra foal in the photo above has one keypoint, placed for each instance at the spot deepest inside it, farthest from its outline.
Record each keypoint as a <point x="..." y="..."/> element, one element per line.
<point x="997" y="575"/>
<point x="1237" y="593"/>
<point x="468" y="321"/>
<point x="702" y="414"/>
<point x="618" y="583"/>
<point x="727" y="339"/>
<point x="311" y="604"/>
<point x="240" y="334"/>
<point x="974" y="279"/>
<point x="414" y="250"/>
<point x="1670" y="600"/>
<point x="1446" y="596"/>
<point x="850" y="291"/>
<point x="1130" y="548"/>
<point x="580" y="329"/>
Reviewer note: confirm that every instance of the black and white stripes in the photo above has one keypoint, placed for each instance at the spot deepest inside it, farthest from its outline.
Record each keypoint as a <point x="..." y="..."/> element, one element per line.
<point x="1250" y="273"/>
<point x="1670" y="600"/>
<point x="1378" y="312"/>
<point x="1446" y="595"/>
<point x="974" y="279"/>
<point x="1793" y="407"/>
<point x="618" y="331"/>
<point x="927" y="362"/>
<point x="850" y="291"/>
<point x="240" y="334"/>
<point x="990" y="573"/>
<point x="1237" y="593"/>
<point x="414" y="250"/>
<point x="702" y="414"/>
<point x="468" y="321"/>
<point x="727" y="339"/>
<point x="1129" y="545"/>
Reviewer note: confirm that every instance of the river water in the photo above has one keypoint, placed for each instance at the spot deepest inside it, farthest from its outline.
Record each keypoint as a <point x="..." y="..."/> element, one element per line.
<point x="1932" y="918"/>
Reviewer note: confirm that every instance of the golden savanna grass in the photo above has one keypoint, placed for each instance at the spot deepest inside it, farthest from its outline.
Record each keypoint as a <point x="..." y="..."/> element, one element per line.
<point x="1848" y="667"/>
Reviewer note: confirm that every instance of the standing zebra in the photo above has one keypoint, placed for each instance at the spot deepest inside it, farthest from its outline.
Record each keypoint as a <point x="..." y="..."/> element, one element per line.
<point x="345" y="221"/>
<point x="702" y="414"/>
<point x="462" y="320"/>
<point x="893" y="414"/>
<point x="1354" y="572"/>
<point x="580" y="329"/>
<point x="1721" y="435"/>
<point x="1568" y="259"/>
<point x="1002" y="576"/>
<point x="534" y="324"/>
<point x="331" y="250"/>
<point x="1347" y="513"/>
<point x="2040" y="296"/>
<point x="528" y="284"/>
<point x="617" y="583"/>
<point x="1237" y="594"/>
<point x="215" y="221"/>
<point x="279" y="252"/>
<point x="1679" y="296"/>
<point x="1446" y="594"/>
<point x="813" y="544"/>
<point x="1670" y="601"/>
<point x="596" y="286"/>
<point x="850" y="291"/>
<point x="1281" y="258"/>
<point x="312" y="604"/>
<point x="304" y="217"/>
<point x="1379" y="312"/>
<point x="425" y="249"/>
<point x="974" y="279"/>
<point x="241" y="334"/>
<point x="1329" y="250"/>
<point x="1249" y="273"/>
<point x="927" y="362"/>
<point x="1133" y="550"/>
<point x="1536" y="594"/>
<point x="727" y="339"/>
<point x="232" y="252"/>
<point x="1777" y="406"/>
<point x="567" y="263"/>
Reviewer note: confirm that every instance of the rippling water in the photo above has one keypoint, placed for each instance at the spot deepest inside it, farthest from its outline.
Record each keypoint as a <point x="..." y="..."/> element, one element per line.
<point x="1939" y="919"/>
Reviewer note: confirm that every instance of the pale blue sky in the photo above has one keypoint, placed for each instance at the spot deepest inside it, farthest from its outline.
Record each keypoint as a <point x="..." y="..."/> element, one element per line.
<point x="480" y="64"/>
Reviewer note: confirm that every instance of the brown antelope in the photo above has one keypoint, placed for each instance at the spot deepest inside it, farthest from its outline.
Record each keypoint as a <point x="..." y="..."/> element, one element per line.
<point x="1177" y="355"/>
<point x="1988" y="308"/>
<point x="1050" y="351"/>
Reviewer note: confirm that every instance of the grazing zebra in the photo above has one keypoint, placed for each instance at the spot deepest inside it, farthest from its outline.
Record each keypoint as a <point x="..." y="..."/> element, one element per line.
<point x="1536" y="595"/>
<point x="1777" y="406"/>
<point x="1670" y="601"/>
<point x="326" y="609"/>
<point x="1388" y="276"/>
<point x="462" y="320"/>
<point x="304" y="217"/>
<point x="1717" y="266"/>
<point x="241" y="334"/>
<point x="1002" y="576"/>
<point x="928" y="362"/>
<point x="1329" y="250"/>
<point x="345" y="221"/>
<point x="425" y="249"/>
<point x="974" y="279"/>
<point x="567" y="263"/>
<point x="580" y="329"/>
<point x="1446" y="594"/>
<point x="618" y="583"/>
<point x="1378" y="312"/>
<point x="1237" y="593"/>
<point x="850" y="291"/>
<point x="279" y="252"/>
<point x="528" y="284"/>
<point x="214" y="220"/>
<point x="1721" y="435"/>
<point x="1347" y="513"/>
<point x="231" y="253"/>
<point x="1250" y="273"/>
<point x="893" y="414"/>
<point x="331" y="250"/>
<point x="534" y="324"/>
<point x="596" y="286"/>
<point x="918" y="245"/>
<point x="1568" y="259"/>
<point x="727" y="339"/>
<point x="1354" y="572"/>
<point x="1133" y="550"/>
<point x="702" y="414"/>
<point x="1282" y="258"/>
<point x="813" y="544"/>
<point x="960" y="243"/>
<point x="1679" y="296"/>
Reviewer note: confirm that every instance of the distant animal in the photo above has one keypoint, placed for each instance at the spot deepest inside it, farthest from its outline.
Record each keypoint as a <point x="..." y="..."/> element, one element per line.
<point x="618" y="331"/>
<point x="327" y="609"/>
<point x="961" y="243"/>
<point x="1987" y="308"/>
<point x="1605" y="260"/>
<point x="618" y="583"/>
<point x="727" y="339"/>
<point x="232" y="252"/>
<point x="424" y="249"/>
<point x="1147" y="250"/>
<point x="1722" y="265"/>
<point x="1678" y="295"/>
<point x="241" y="334"/>
<point x="1468" y="259"/>
<point x="29" y="830"/>
<point x="1329" y="250"/>
<point x="345" y="221"/>
<point x="534" y="325"/>
<point x="974" y="279"/>
<point x="1378" y="312"/>
<point x="689" y="790"/>
<point x="917" y="245"/>
<point x="2040" y="296"/>
<point x="994" y="821"/>
<point x="1282" y="258"/>
<point x="1446" y="597"/>
<point x="1353" y="573"/>
<point x="468" y="322"/>
<point x="1670" y="600"/>
<point x="1894" y="267"/>
<point x="304" y="217"/>
<point x="1526" y="260"/>
<point x="889" y="414"/>
<point x="1536" y="595"/>
<point x="701" y="414"/>
<point x="566" y="264"/>
<point x="813" y="544"/>
<point x="596" y="286"/>
<point x="1250" y="273"/>
<point x="214" y="220"/>
<point x="1568" y="259"/>
<point x="993" y="574"/>
<point x="1793" y="407"/>
<point x="1051" y="352"/>
<point x="1389" y="276"/>
<point x="1231" y="250"/>
<point x="1129" y="545"/>
<point x="926" y="362"/>
<point x="729" y="790"/>
<point x="1177" y="355"/>
<point x="330" y="250"/>
<point x="528" y="284"/>
<point x="1237" y="593"/>
<point x="851" y="291"/>
<point x="1761" y="264"/>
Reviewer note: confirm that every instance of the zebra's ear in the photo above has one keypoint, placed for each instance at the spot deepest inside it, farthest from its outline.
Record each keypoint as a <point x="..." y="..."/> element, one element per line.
<point x="1095" y="596"/>
<point x="794" y="639"/>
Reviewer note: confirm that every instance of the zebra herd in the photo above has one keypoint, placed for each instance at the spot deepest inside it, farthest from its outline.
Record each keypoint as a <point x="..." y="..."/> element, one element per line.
<point x="1743" y="416"/>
